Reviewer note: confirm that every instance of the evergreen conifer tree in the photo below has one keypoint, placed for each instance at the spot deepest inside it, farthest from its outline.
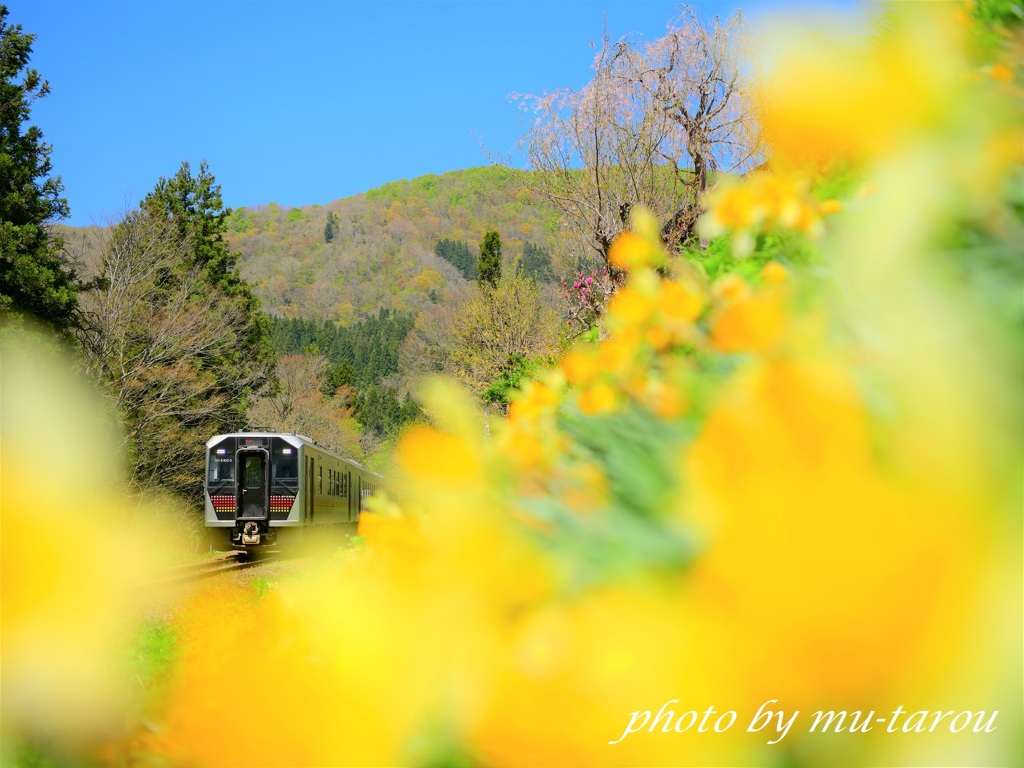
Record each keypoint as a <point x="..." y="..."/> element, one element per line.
<point x="194" y="206"/>
<point x="331" y="227"/>
<point x="33" y="277"/>
<point x="489" y="263"/>
<point x="536" y="263"/>
<point x="457" y="253"/>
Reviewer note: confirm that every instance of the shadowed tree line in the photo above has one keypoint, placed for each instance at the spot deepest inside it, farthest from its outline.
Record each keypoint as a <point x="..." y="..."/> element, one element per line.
<point x="360" y="360"/>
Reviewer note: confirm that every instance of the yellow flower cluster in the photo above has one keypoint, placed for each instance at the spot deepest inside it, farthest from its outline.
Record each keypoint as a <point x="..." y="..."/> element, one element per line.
<point x="911" y="92"/>
<point x="826" y="97"/>
<point x="763" y="201"/>
<point x="75" y="554"/>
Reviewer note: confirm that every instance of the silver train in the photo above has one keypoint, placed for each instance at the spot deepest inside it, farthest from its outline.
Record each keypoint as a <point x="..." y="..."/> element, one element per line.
<point x="264" y="486"/>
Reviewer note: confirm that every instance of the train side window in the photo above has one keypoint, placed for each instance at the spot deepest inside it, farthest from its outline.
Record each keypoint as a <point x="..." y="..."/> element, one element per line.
<point x="320" y="478"/>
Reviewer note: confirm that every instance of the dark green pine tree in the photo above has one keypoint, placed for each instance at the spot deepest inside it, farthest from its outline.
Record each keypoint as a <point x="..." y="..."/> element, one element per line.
<point x="466" y="261"/>
<point x="195" y="206"/>
<point x="489" y="263"/>
<point x="443" y="249"/>
<point x="536" y="264"/>
<point x="457" y="253"/>
<point x="331" y="227"/>
<point x="378" y="410"/>
<point x="410" y="411"/>
<point x="337" y="376"/>
<point x="33" y="278"/>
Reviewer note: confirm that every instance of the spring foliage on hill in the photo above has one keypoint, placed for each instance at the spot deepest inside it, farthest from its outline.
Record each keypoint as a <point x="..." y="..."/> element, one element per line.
<point x="383" y="246"/>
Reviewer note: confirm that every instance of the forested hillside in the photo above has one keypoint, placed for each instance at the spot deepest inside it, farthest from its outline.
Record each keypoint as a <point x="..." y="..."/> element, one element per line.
<point x="348" y="259"/>
<point x="371" y="285"/>
<point x="346" y="283"/>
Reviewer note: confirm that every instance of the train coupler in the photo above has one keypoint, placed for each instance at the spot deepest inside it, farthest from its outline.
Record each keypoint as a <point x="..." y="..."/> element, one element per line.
<point x="251" y="534"/>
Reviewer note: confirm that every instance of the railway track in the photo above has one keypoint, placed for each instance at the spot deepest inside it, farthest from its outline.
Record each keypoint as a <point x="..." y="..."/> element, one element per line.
<point x="224" y="563"/>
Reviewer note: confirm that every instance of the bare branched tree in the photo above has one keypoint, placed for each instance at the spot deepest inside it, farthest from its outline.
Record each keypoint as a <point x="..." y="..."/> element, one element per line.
<point x="298" y="404"/>
<point x="693" y="77"/>
<point x="297" y="376"/>
<point x="654" y="122"/>
<point x="155" y="336"/>
<point x="427" y="350"/>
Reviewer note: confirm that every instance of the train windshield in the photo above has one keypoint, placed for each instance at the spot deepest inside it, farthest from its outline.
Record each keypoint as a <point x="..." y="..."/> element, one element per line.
<point x="221" y="466"/>
<point x="284" y="462"/>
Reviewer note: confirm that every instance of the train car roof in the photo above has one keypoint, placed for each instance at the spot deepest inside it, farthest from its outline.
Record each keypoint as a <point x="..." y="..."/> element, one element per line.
<point x="289" y="436"/>
<point x="293" y="438"/>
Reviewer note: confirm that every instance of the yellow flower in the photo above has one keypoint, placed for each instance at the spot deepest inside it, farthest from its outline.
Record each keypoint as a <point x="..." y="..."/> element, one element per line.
<point x="535" y="399"/>
<point x="829" y="97"/>
<point x="735" y="207"/>
<point x="658" y="337"/>
<point x="522" y="447"/>
<point x="748" y="326"/>
<point x="663" y="399"/>
<point x="762" y="201"/>
<point x="597" y="399"/>
<point x="630" y="306"/>
<point x="76" y="550"/>
<point x="587" y="657"/>
<point x="730" y="288"/>
<point x="428" y="455"/>
<point x="617" y="352"/>
<point x="679" y="300"/>
<point x="1000" y="72"/>
<point x="581" y="365"/>
<point x="774" y="273"/>
<point x="630" y="251"/>
<point x="813" y="516"/>
<point x="830" y="207"/>
<point x="397" y="534"/>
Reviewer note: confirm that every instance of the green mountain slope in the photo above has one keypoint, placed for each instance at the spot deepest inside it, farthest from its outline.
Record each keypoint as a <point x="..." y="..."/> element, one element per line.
<point x="353" y="277"/>
<point x="381" y="246"/>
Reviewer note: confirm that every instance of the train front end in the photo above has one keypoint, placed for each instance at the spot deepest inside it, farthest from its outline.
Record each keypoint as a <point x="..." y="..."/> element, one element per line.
<point x="251" y="488"/>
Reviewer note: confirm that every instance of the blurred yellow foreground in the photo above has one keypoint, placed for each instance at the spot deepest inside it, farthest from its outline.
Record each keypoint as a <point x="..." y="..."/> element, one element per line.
<point x="765" y="521"/>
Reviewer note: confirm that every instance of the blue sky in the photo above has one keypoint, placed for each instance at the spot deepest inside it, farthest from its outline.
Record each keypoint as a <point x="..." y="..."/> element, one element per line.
<point x="302" y="102"/>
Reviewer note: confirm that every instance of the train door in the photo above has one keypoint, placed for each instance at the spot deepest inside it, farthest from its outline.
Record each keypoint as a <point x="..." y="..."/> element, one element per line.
<point x="251" y="466"/>
<point x="348" y="493"/>
<point x="310" y="490"/>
